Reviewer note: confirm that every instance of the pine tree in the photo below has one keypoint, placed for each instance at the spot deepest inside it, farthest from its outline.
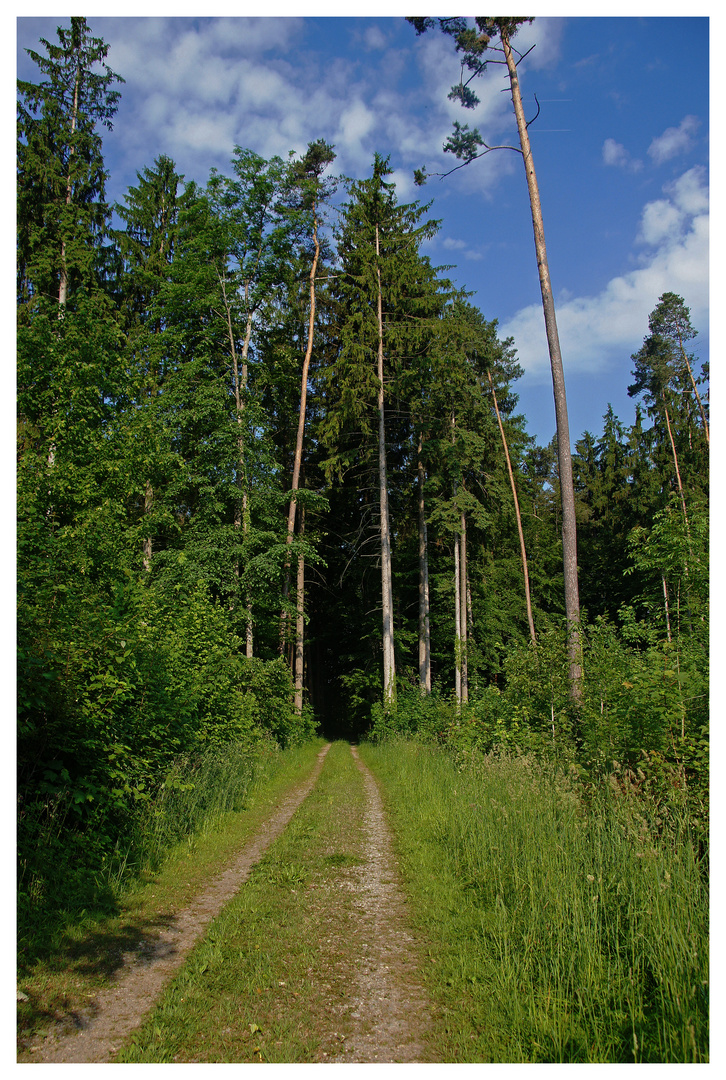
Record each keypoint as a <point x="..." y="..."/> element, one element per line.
<point x="146" y="248"/>
<point x="663" y="376"/>
<point x="477" y="48"/>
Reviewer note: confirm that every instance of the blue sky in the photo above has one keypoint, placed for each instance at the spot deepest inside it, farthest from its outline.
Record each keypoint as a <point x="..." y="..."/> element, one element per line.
<point x="620" y="146"/>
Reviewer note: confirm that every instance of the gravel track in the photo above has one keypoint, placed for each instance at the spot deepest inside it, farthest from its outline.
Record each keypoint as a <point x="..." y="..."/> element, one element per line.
<point x="391" y="1010"/>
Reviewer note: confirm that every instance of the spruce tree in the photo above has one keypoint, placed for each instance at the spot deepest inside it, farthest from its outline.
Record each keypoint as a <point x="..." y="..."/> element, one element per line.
<point x="62" y="213"/>
<point x="378" y="291"/>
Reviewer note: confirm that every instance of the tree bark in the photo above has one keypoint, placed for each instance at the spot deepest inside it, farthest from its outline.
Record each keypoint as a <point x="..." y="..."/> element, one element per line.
<point x="300" y="626"/>
<point x="567" y="491"/>
<point x="241" y="517"/>
<point x="457" y="622"/>
<point x="300" y="431"/>
<point x="463" y="621"/>
<point x="389" y="663"/>
<point x="522" y="547"/>
<point x="665" y="604"/>
<point x="424" y="629"/>
<point x="678" y="471"/>
<point x="148" y="542"/>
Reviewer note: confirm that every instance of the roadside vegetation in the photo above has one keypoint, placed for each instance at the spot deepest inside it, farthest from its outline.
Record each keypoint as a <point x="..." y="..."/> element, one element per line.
<point x="565" y="920"/>
<point x="71" y="948"/>
<point x="221" y="535"/>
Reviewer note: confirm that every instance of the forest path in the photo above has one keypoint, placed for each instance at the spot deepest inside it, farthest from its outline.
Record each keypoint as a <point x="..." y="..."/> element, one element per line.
<point x="97" y="1033"/>
<point x="391" y="1006"/>
<point x="330" y="938"/>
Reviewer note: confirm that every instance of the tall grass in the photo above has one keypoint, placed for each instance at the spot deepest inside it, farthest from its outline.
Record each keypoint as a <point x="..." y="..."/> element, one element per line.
<point x="197" y="793"/>
<point x="67" y="870"/>
<point x="566" y="925"/>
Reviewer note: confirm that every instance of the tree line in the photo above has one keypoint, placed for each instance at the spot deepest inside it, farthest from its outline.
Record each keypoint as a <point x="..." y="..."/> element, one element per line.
<point x="271" y="474"/>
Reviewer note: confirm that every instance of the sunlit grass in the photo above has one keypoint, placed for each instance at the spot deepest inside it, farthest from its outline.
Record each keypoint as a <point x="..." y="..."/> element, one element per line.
<point x="560" y="930"/>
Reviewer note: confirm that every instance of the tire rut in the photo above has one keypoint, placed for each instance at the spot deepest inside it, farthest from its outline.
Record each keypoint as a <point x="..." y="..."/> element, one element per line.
<point x="96" y="1034"/>
<point x="391" y="1011"/>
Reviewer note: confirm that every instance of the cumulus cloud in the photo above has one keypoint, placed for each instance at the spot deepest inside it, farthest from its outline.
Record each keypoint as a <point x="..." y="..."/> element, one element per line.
<point x="615" y="154"/>
<point x="462" y="248"/>
<point x="595" y="328"/>
<point x="674" y="140"/>
<point x="373" y="39"/>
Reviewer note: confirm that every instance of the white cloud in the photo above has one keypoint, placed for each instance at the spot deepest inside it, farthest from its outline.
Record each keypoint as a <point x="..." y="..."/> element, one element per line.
<point x="615" y="154"/>
<point x="374" y="39"/>
<point x="461" y="246"/>
<point x="674" y="141"/>
<point x="355" y="123"/>
<point x="595" y="328"/>
<point x="690" y="191"/>
<point x="547" y="34"/>
<point x="660" y="220"/>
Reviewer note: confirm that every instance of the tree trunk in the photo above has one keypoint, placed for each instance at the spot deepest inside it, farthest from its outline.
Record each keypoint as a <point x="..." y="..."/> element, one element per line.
<point x="665" y="603"/>
<point x="567" y="491"/>
<point x="241" y="515"/>
<point x="300" y="625"/>
<point x="297" y="463"/>
<point x="389" y="664"/>
<point x="463" y="621"/>
<point x="678" y="471"/>
<point x="522" y="547"/>
<point x="457" y="622"/>
<point x="424" y="630"/>
<point x="148" y="542"/>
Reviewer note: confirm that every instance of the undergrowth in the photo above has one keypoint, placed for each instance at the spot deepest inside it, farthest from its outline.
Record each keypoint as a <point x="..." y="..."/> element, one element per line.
<point x="66" y="870"/>
<point x="209" y="811"/>
<point x="565" y="923"/>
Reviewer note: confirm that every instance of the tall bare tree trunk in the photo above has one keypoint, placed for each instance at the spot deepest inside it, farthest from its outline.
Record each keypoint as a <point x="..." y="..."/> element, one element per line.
<point x="297" y="463"/>
<point x="463" y="621"/>
<point x="424" y="630"/>
<point x="457" y="621"/>
<point x="148" y="542"/>
<point x="675" y="464"/>
<point x="567" y="491"/>
<point x="389" y="662"/>
<point x="300" y="625"/>
<point x="665" y="603"/>
<point x="239" y="375"/>
<point x="522" y="547"/>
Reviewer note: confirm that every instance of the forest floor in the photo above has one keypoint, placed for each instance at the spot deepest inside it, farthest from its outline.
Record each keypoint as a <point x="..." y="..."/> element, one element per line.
<point x="312" y="961"/>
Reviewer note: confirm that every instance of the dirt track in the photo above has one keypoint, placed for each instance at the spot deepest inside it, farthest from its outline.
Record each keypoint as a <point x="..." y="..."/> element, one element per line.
<point x="96" y="1034"/>
<point x="388" y="1008"/>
